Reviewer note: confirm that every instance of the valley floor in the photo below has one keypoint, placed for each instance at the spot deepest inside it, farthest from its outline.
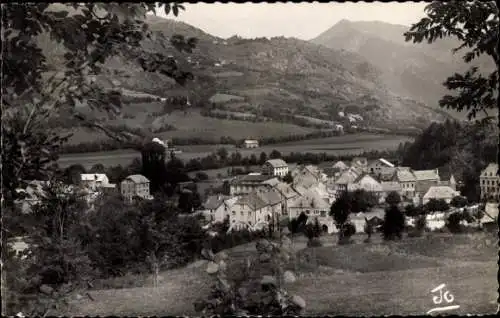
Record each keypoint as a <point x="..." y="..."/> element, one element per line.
<point x="339" y="145"/>
<point x="359" y="279"/>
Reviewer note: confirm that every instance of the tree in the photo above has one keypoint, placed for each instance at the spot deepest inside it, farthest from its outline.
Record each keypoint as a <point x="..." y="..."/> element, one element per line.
<point x="36" y="88"/>
<point x="153" y="164"/>
<point x="412" y="210"/>
<point x="253" y="160"/>
<point x="437" y="205"/>
<point x="475" y="25"/>
<point x="340" y="211"/>
<point x="458" y="201"/>
<point x="393" y="198"/>
<point x="98" y="168"/>
<point x="394" y="222"/>
<point x="189" y="201"/>
<point x="368" y="230"/>
<point x="262" y="158"/>
<point x="223" y="154"/>
<point x="288" y="178"/>
<point x="362" y="200"/>
<point x="73" y="173"/>
<point x="275" y="154"/>
<point x="39" y="86"/>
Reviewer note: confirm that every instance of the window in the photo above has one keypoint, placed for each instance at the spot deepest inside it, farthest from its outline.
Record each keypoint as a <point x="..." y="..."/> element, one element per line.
<point x="234" y="213"/>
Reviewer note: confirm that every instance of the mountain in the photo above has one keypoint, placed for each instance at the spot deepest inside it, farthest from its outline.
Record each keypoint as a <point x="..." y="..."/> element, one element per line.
<point x="273" y="80"/>
<point x="416" y="71"/>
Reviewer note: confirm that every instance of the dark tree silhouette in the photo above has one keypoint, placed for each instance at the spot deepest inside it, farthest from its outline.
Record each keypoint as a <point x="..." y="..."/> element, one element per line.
<point x="153" y="165"/>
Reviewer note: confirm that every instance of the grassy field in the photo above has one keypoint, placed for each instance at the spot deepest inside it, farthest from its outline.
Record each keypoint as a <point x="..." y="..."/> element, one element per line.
<point x="340" y="145"/>
<point x="359" y="279"/>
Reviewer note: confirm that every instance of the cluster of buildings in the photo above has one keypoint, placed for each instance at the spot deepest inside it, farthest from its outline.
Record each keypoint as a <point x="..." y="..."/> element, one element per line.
<point x="256" y="199"/>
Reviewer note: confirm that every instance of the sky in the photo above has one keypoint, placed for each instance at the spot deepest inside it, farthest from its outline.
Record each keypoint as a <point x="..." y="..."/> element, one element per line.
<point x="301" y="20"/>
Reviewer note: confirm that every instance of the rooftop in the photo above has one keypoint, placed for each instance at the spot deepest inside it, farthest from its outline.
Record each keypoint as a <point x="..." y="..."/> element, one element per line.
<point x="277" y="163"/>
<point x="137" y="178"/>
<point x="440" y="192"/>
<point x="252" y="178"/>
<point x="426" y="174"/>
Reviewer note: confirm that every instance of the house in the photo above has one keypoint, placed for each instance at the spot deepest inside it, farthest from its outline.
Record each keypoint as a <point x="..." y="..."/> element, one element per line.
<point x="249" y="210"/>
<point x="405" y="177"/>
<point x="247" y="183"/>
<point x="275" y="167"/>
<point x="287" y="194"/>
<point x="489" y="182"/>
<point x="310" y="203"/>
<point x="360" y="162"/>
<point x="447" y="178"/>
<point x="373" y="217"/>
<point x="250" y="143"/>
<point x="274" y="199"/>
<point x="217" y="207"/>
<point x="96" y="181"/>
<point x="345" y="178"/>
<point x="135" y="185"/>
<point x="440" y="192"/>
<point x="388" y="187"/>
<point x="340" y="165"/>
<point x="367" y="183"/>
<point x="424" y="179"/>
<point x="381" y="167"/>
<point x="307" y="176"/>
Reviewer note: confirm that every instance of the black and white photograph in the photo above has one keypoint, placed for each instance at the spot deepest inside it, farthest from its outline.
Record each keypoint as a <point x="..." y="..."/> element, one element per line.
<point x="244" y="159"/>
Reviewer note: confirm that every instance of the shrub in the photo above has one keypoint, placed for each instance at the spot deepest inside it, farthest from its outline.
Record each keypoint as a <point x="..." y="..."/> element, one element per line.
<point x="253" y="288"/>
<point x="394" y="223"/>
<point x="393" y="198"/>
<point x="453" y="223"/>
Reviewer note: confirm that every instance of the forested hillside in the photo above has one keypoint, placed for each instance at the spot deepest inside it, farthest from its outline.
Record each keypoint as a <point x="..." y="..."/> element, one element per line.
<point x="463" y="149"/>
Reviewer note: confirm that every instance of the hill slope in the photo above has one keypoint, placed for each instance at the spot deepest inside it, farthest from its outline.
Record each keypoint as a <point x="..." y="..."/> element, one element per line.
<point x="272" y="79"/>
<point x="413" y="70"/>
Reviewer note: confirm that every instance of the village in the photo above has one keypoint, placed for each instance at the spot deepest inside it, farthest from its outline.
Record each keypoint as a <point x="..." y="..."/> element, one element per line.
<point x="277" y="193"/>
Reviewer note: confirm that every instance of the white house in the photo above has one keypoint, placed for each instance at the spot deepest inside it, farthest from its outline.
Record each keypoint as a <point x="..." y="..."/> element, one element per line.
<point x="311" y="203"/>
<point x="440" y="192"/>
<point x="381" y="167"/>
<point x="275" y="167"/>
<point x="340" y="165"/>
<point x="95" y="181"/>
<point x="250" y="143"/>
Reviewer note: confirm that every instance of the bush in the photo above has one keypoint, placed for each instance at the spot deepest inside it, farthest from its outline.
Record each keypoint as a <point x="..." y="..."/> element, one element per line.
<point x="394" y="223"/>
<point x="393" y="198"/>
<point x="453" y="223"/>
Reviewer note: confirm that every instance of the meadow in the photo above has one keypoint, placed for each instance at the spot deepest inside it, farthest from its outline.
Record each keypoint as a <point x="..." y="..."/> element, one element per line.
<point x="380" y="278"/>
<point x="339" y="145"/>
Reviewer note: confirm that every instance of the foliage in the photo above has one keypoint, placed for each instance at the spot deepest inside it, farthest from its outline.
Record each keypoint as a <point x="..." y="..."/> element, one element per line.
<point x="458" y="201"/>
<point x="421" y="223"/>
<point x="394" y="223"/>
<point x="253" y="288"/>
<point x="55" y="264"/>
<point x="368" y="228"/>
<point x="340" y="211"/>
<point x="393" y="198"/>
<point x="412" y="210"/>
<point x="312" y="230"/>
<point x="437" y="205"/>
<point x="33" y="93"/>
<point x="453" y="222"/>
<point x="362" y="200"/>
<point x="288" y="178"/>
<point x="462" y="148"/>
<point x="275" y="154"/>
<point x="189" y="201"/>
<point x="475" y="25"/>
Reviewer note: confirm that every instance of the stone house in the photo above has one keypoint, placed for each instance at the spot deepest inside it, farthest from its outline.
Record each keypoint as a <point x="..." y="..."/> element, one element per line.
<point x="135" y="185"/>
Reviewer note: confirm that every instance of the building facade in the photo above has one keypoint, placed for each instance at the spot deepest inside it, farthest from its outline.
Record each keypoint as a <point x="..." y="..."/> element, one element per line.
<point x="242" y="185"/>
<point x="250" y="143"/>
<point x="489" y="182"/>
<point x="275" y="167"/>
<point x="135" y="185"/>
